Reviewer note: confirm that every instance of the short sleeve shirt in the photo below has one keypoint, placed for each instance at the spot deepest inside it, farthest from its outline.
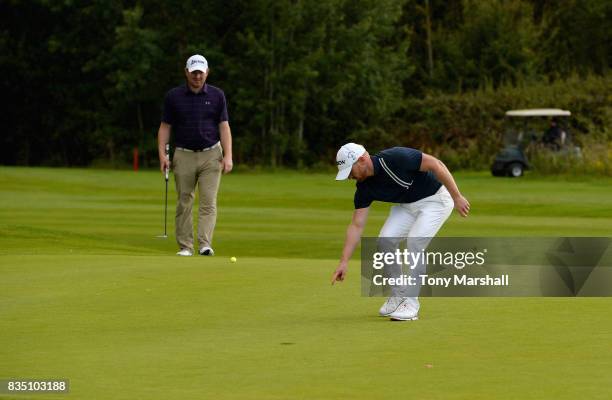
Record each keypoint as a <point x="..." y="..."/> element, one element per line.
<point x="396" y="179"/>
<point x="195" y="117"/>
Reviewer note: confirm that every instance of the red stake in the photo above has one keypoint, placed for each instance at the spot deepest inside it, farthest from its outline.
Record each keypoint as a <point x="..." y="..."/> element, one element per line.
<point x="135" y="158"/>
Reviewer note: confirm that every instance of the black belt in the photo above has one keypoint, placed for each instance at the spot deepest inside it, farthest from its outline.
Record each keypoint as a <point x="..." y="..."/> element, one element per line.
<point x="199" y="150"/>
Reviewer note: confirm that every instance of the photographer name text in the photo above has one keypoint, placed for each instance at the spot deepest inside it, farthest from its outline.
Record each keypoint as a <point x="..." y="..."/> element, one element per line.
<point x="447" y="281"/>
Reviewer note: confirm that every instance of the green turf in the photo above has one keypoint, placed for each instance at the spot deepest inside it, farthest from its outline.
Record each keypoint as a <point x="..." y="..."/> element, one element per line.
<point x="88" y="293"/>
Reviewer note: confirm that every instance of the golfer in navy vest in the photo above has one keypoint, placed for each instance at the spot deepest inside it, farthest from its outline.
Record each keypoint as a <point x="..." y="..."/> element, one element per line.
<point x="197" y="115"/>
<point x="424" y="192"/>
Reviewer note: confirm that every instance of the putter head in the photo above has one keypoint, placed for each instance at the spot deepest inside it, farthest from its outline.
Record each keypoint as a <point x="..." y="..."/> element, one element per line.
<point x="162" y="236"/>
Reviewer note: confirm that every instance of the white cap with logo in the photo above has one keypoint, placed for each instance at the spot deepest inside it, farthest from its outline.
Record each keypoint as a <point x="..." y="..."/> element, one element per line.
<point x="196" y="63"/>
<point x="346" y="157"/>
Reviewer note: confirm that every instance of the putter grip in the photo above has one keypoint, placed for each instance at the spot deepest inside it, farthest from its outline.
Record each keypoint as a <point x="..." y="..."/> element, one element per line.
<point x="167" y="158"/>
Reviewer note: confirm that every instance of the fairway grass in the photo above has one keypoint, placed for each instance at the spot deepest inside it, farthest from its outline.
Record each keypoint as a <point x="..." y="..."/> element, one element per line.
<point x="88" y="293"/>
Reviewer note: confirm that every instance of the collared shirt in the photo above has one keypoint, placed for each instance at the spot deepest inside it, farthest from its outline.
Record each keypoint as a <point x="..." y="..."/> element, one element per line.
<point x="195" y="117"/>
<point x="396" y="179"/>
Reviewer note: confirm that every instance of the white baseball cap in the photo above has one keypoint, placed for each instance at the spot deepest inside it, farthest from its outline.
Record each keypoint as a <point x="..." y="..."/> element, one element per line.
<point x="196" y="63"/>
<point x="346" y="157"/>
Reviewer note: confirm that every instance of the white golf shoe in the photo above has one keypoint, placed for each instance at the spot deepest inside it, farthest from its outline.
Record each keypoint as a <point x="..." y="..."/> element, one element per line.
<point x="390" y="305"/>
<point x="185" y="253"/>
<point x="407" y="311"/>
<point x="207" y="251"/>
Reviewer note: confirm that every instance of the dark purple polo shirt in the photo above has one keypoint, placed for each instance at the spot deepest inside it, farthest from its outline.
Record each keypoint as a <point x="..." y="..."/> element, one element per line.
<point x="195" y="117"/>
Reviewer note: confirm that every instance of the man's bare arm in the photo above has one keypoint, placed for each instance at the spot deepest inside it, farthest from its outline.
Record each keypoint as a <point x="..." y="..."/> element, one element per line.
<point x="353" y="235"/>
<point x="226" y="143"/>
<point x="431" y="163"/>
<point x="163" y="138"/>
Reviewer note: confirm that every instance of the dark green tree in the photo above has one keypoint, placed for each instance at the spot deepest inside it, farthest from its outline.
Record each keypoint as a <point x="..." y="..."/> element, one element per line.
<point x="576" y="37"/>
<point x="495" y="44"/>
<point x="130" y="65"/>
<point x="318" y="73"/>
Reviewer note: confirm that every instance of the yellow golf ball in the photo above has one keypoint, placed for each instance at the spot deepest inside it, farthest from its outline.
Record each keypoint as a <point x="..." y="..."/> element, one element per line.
<point x="233" y="259"/>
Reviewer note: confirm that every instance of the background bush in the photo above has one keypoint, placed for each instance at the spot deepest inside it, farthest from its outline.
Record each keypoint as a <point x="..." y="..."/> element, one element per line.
<point x="83" y="81"/>
<point x="466" y="129"/>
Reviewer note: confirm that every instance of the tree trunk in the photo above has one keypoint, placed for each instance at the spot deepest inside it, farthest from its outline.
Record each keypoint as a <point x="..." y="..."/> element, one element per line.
<point x="300" y="142"/>
<point x="428" y="27"/>
<point x="271" y="103"/>
<point x="141" y="141"/>
<point x="300" y="131"/>
<point x="110" y="145"/>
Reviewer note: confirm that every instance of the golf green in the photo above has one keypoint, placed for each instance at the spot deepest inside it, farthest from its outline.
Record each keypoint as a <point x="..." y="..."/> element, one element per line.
<point x="88" y="293"/>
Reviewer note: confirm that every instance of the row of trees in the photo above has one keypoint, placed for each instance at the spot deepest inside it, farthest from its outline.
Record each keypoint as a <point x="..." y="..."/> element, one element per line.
<point x="84" y="80"/>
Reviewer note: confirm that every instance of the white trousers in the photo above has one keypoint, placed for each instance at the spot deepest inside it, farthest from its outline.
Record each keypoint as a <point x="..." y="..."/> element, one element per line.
<point x="417" y="223"/>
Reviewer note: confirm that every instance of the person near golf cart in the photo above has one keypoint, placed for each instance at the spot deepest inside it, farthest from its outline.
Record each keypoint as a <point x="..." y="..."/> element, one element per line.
<point x="512" y="159"/>
<point x="554" y="138"/>
<point x="197" y="114"/>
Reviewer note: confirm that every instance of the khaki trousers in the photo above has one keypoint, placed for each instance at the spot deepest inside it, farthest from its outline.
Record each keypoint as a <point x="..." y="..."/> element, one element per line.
<point x="204" y="169"/>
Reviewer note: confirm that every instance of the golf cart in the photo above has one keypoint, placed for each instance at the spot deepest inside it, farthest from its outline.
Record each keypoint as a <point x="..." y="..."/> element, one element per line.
<point x="522" y="127"/>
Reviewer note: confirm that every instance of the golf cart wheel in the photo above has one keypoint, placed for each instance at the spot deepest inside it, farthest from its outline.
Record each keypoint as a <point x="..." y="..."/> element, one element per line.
<point x="515" y="170"/>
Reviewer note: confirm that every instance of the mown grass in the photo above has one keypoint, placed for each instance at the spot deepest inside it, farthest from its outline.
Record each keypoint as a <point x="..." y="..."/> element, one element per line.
<point x="88" y="293"/>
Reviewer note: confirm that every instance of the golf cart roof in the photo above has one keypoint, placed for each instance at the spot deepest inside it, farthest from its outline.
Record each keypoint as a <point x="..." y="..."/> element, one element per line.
<point x="539" y="112"/>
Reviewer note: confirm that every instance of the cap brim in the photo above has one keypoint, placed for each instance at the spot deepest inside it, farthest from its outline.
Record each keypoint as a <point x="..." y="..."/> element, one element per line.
<point x="344" y="173"/>
<point x="196" y="69"/>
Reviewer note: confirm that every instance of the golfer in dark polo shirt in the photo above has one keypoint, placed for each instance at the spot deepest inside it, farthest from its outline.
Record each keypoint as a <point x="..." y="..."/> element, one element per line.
<point x="197" y="114"/>
<point x="424" y="192"/>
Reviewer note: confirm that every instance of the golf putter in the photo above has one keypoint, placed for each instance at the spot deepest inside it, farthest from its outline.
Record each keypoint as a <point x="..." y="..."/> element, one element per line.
<point x="167" y="171"/>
